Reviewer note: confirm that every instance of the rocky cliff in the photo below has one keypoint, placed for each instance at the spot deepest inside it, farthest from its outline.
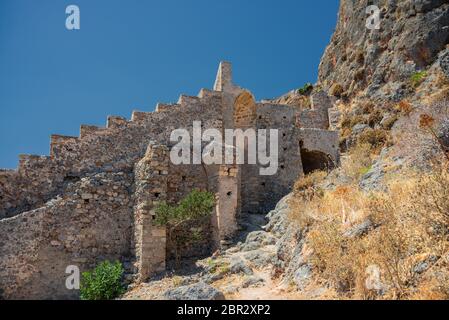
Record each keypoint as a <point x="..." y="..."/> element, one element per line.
<point x="385" y="63"/>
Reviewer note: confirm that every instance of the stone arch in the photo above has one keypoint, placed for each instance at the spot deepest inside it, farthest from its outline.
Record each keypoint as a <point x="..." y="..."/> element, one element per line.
<point x="314" y="160"/>
<point x="244" y="110"/>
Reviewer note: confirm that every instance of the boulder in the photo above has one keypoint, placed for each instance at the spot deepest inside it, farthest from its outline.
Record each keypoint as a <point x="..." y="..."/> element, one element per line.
<point x="258" y="239"/>
<point x="239" y="266"/>
<point x="260" y="258"/>
<point x="252" y="282"/>
<point x="302" y="276"/>
<point x="198" y="291"/>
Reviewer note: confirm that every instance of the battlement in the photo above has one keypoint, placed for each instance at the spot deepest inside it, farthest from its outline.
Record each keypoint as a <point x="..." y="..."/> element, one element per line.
<point x="140" y="116"/>
<point x="57" y="143"/>
<point x="116" y="122"/>
<point x="32" y="161"/>
<point x="186" y="101"/>
<point x="7" y="173"/>
<point x="162" y="107"/>
<point x="86" y="130"/>
<point x="207" y="94"/>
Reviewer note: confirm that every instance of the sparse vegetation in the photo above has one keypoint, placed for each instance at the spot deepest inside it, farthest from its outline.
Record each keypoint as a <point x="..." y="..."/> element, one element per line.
<point x="306" y="89"/>
<point x="218" y="267"/>
<point x="417" y="78"/>
<point x="389" y="122"/>
<point x="336" y="90"/>
<point x="427" y="122"/>
<point x="411" y="231"/>
<point x="404" y="107"/>
<point x="102" y="283"/>
<point x="358" y="162"/>
<point x="376" y="138"/>
<point x="196" y="205"/>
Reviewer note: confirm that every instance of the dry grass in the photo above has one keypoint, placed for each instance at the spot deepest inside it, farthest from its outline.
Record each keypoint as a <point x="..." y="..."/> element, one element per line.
<point x="411" y="227"/>
<point x="377" y="138"/>
<point x="404" y="107"/>
<point x="358" y="162"/>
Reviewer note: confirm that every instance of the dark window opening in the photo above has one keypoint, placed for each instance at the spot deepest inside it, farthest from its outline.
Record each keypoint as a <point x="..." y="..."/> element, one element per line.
<point x="229" y="194"/>
<point x="263" y="184"/>
<point x="315" y="161"/>
<point x="157" y="195"/>
<point x="184" y="178"/>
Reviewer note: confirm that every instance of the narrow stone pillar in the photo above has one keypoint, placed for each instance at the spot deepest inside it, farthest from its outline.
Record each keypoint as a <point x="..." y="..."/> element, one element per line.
<point x="228" y="207"/>
<point x="223" y="82"/>
<point x="151" y="174"/>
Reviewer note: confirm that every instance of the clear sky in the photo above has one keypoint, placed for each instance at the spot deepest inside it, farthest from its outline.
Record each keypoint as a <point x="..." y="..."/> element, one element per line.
<point x="129" y="55"/>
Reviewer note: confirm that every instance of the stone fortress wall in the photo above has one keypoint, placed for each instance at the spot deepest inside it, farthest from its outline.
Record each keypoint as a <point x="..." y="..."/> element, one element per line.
<point x="94" y="197"/>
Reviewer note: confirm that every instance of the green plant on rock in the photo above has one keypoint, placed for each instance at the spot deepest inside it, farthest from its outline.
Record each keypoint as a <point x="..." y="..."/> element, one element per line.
<point x="417" y="78"/>
<point x="196" y="205"/>
<point x="102" y="283"/>
<point x="305" y="89"/>
<point x="218" y="267"/>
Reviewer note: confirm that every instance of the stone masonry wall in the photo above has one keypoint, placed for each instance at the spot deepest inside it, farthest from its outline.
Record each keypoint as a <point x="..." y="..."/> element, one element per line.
<point x="92" y="223"/>
<point x="272" y="188"/>
<point x="151" y="188"/>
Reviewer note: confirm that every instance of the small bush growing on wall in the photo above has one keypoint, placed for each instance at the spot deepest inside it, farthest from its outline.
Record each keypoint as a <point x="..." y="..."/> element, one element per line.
<point x="305" y="89"/>
<point x="195" y="205"/>
<point x="102" y="283"/>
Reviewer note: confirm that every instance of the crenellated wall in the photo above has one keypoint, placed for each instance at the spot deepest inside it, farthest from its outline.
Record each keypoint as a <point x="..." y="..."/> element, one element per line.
<point x="118" y="147"/>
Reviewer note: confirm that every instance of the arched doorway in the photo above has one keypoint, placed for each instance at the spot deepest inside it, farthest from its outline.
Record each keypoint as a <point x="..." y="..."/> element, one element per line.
<point x="313" y="160"/>
<point x="244" y="110"/>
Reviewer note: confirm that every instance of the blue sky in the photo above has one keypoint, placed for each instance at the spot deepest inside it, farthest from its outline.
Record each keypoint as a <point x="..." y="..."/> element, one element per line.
<point x="129" y="55"/>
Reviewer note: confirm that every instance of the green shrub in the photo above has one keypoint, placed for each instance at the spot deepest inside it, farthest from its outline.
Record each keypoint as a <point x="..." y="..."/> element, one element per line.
<point x="102" y="283"/>
<point x="417" y="78"/>
<point x="305" y="89"/>
<point x="197" y="205"/>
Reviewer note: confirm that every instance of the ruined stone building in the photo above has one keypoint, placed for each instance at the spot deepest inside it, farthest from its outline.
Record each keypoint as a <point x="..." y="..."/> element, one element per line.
<point x="93" y="197"/>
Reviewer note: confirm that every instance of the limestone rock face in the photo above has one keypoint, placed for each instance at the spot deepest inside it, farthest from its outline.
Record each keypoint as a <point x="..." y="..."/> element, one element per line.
<point x="379" y="63"/>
